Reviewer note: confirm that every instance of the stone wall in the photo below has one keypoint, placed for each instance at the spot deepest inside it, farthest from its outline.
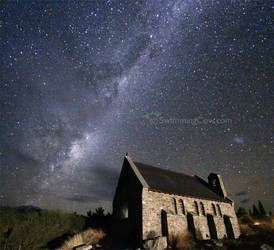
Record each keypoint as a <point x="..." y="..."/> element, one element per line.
<point x="176" y="223"/>
<point x="235" y="225"/>
<point x="127" y="203"/>
<point x="220" y="226"/>
<point x="154" y="202"/>
<point x="200" y="223"/>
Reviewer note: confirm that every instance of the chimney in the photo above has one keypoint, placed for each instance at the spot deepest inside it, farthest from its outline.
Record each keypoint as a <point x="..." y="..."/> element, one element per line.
<point x="216" y="184"/>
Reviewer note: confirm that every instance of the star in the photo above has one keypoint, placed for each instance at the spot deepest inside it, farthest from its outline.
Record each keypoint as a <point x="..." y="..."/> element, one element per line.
<point x="180" y="84"/>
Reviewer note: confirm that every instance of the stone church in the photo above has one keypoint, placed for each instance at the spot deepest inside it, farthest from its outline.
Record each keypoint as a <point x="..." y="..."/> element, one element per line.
<point x="152" y="201"/>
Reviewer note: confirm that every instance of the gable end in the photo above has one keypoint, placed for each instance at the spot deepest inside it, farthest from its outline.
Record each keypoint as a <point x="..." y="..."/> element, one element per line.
<point x="137" y="172"/>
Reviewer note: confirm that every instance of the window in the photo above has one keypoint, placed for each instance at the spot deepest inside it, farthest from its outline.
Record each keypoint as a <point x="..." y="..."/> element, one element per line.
<point x="202" y="208"/>
<point x="214" y="209"/>
<point x="219" y="210"/>
<point x="175" y="206"/>
<point x="182" y="207"/>
<point x="196" y="207"/>
<point x="124" y="210"/>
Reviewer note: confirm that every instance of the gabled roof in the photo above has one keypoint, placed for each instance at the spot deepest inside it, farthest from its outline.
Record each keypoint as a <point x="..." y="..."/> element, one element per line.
<point x="168" y="181"/>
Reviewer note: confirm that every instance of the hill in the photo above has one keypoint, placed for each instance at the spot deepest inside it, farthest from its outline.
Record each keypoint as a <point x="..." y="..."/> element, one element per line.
<point x="36" y="228"/>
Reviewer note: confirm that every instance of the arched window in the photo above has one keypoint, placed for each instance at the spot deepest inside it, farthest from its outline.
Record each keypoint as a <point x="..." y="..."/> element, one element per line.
<point x="196" y="207"/>
<point x="214" y="209"/>
<point x="202" y="208"/>
<point x="182" y="207"/>
<point x="175" y="206"/>
<point x="219" y="210"/>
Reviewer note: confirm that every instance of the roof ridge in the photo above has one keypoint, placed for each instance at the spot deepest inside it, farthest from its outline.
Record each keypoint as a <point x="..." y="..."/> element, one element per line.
<point x="166" y="169"/>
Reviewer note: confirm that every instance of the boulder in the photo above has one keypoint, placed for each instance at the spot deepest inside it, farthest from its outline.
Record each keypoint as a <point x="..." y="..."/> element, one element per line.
<point x="219" y="244"/>
<point x="83" y="247"/>
<point x="266" y="247"/>
<point x="157" y="243"/>
<point x="208" y="245"/>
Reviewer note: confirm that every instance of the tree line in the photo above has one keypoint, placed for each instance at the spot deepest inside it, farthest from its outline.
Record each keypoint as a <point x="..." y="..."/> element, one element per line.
<point x="257" y="211"/>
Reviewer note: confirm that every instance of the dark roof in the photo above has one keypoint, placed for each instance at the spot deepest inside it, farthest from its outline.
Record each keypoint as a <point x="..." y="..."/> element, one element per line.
<point x="168" y="181"/>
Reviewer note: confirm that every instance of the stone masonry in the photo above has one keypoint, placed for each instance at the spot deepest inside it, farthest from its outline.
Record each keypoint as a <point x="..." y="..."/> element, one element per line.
<point x="154" y="202"/>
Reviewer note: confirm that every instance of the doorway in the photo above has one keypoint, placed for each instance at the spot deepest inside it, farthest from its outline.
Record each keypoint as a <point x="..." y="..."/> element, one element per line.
<point x="228" y="227"/>
<point x="164" y="223"/>
<point x="211" y="226"/>
<point x="190" y="224"/>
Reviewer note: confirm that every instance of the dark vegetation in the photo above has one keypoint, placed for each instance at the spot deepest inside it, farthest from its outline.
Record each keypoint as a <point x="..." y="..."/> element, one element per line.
<point x="33" y="229"/>
<point x="98" y="219"/>
<point x="256" y="225"/>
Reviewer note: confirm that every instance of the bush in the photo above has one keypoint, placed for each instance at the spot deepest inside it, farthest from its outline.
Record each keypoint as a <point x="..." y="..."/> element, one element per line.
<point x="247" y="219"/>
<point x="230" y="243"/>
<point x="246" y="229"/>
<point x="182" y="240"/>
<point x="89" y="236"/>
<point x="36" y="228"/>
<point x="241" y="212"/>
<point x="260" y="231"/>
<point x="98" y="219"/>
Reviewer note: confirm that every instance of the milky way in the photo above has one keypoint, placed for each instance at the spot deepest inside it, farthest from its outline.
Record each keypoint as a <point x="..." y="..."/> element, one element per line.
<point x="184" y="85"/>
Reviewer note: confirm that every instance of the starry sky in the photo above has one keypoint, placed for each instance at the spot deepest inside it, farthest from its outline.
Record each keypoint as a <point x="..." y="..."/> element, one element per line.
<point x="179" y="84"/>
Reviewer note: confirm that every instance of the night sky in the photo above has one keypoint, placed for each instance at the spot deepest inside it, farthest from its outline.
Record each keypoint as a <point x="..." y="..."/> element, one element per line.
<point x="180" y="84"/>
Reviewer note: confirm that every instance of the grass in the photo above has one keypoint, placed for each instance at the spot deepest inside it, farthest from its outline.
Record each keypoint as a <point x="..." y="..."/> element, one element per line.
<point x="36" y="228"/>
<point x="89" y="236"/>
<point x="260" y="231"/>
<point x="182" y="240"/>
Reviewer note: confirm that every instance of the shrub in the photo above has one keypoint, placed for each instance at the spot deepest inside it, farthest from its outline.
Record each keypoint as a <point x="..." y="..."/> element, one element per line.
<point x="74" y="241"/>
<point x="246" y="229"/>
<point x="182" y="240"/>
<point x="247" y="219"/>
<point x="93" y="235"/>
<point x="151" y="234"/>
<point x="98" y="219"/>
<point x="89" y="236"/>
<point x="241" y="212"/>
<point x="230" y="243"/>
<point x="36" y="228"/>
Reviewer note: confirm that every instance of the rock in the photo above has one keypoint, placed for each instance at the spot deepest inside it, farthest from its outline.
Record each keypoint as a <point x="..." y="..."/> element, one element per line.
<point x="266" y="247"/>
<point x="83" y="247"/>
<point x="208" y="245"/>
<point x="219" y="244"/>
<point x="157" y="243"/>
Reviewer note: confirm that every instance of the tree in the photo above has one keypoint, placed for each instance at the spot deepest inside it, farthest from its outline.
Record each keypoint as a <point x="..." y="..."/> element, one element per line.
<point x="250" y="212"/>
<point x="241" y="212"/>
<point x="98" y="218"/>
<point x="100" y="212"/>
<point x="89" y="213"/>
<point x="261" y="208"/>
<point x="256" y="212"/>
